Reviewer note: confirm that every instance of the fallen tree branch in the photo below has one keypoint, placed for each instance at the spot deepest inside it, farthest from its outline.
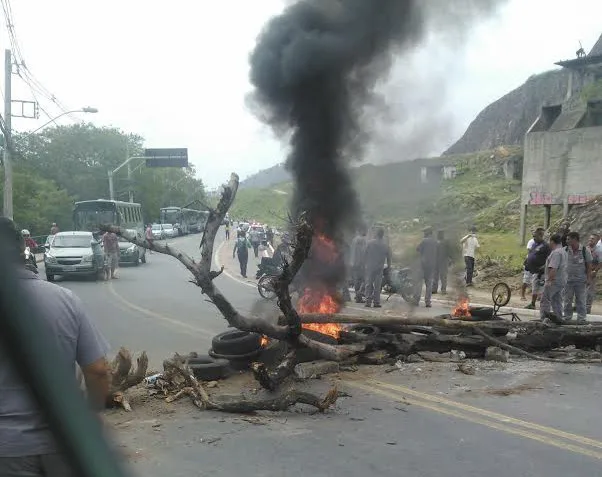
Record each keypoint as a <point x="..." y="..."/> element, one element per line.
<point x="124" y="377"/>
<point x="515" y="350"/>
<point x="202" y="400"/>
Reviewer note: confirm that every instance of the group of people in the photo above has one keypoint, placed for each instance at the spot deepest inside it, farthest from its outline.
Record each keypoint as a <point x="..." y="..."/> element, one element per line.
<point x="368" y="258"/>
<point x="562" y="274"/>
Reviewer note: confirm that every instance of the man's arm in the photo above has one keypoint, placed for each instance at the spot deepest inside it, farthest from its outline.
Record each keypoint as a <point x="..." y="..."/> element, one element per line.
<point x="464" y="239"/>
<point x="91" y="352"/>
<point x="588" y="264"/>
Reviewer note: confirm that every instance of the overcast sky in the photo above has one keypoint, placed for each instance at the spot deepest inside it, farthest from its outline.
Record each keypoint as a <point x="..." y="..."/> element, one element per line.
<point x="177" y="72"/>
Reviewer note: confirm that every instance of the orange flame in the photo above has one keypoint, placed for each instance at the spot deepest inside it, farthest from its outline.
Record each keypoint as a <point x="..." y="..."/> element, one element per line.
<point x="462" y="309"/>
<point x="319" y="301"/>
<point x="264" y="341"/>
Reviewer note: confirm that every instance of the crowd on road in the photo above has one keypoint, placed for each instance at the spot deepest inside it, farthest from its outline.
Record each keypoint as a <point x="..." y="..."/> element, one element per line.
<point x="561" y="273"/>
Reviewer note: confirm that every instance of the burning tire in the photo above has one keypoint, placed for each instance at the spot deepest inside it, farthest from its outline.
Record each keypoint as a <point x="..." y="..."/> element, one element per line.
<point x="265" y="287"/>
<point x="235" y="343"/>
<point x="207" y="368"/>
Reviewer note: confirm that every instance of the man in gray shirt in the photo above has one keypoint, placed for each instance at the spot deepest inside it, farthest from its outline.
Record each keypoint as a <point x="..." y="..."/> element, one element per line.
<point x="358" y="266"/>
<point x="555" y="276"/>
<point x="377" y="253"/>
<point x="27" y="446"/>
<point x="579" y="275"/>
<point x="428" y="265"/>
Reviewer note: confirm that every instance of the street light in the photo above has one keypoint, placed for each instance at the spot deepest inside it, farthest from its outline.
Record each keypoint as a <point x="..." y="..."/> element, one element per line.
<point x="87" y="109"/>
<point x="8" y="149"/>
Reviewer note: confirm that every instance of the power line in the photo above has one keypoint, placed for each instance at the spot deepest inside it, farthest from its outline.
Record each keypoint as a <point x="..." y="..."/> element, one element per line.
<point x="23" y="71"/>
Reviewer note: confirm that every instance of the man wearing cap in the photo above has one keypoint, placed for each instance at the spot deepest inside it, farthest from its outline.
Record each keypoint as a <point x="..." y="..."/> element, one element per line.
<point x="27" y="446"/>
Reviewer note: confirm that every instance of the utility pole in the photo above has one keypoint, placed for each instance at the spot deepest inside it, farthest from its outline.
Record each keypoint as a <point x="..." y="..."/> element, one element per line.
<point x="8" y="167"/>
<point x="130" y="191"/>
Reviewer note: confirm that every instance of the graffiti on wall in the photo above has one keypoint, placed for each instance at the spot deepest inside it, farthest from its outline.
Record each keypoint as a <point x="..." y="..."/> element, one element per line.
<point x="538" y="197"/>
<point x="578" y="198"/>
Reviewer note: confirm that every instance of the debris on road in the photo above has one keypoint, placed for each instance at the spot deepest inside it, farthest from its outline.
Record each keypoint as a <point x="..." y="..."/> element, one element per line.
<point x="493" y="353"/>
<point x="315" y="369"/>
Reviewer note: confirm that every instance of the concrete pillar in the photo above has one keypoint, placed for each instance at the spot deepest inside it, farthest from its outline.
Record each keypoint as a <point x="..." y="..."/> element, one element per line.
<point x="523" y="224"/>
<point x="569" y="89"/>
<point x="547" y="216"/>
<point x="565" y="208"/>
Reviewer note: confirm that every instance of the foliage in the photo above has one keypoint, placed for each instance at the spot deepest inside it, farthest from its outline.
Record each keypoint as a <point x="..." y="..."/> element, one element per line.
<point x="76" y="160"/>
<point x="38" y="202"/>
<point x="268" y="206"/>
<point x="592" y="91"/>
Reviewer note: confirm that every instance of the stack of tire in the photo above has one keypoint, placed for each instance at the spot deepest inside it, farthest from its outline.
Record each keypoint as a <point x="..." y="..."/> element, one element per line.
<point x="238" y="348"/>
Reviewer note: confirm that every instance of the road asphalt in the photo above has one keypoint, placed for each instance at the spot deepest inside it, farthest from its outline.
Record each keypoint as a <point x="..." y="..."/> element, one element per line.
<point x="521" y="418"/>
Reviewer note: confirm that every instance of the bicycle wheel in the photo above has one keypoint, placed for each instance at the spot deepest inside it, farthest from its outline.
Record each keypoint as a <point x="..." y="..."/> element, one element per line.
<point x="265" y="287"/>
<point x="501" y="294"/>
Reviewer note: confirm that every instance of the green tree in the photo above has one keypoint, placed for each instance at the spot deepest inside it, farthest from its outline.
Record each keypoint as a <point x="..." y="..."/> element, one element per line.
<point x="38" y="202"/>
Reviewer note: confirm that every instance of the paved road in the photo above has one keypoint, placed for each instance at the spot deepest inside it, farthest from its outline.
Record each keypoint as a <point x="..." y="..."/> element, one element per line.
<point x="419" y="421"/>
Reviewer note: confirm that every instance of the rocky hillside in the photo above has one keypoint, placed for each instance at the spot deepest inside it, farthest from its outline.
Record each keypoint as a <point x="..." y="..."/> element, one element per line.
<point x="506" y="121"/>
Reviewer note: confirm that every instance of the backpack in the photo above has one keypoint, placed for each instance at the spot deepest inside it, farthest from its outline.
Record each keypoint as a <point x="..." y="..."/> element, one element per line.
<point x="536" y="260"/>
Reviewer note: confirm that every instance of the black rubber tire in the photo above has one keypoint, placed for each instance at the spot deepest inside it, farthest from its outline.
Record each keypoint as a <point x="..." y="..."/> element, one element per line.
<point x="366" y="330"/>
<point x="49" y="278"/>
<point x="235" y="343"/>
<point x="266" y="293"/>
<point x="407" y="291"/>
<point x="207" y="368"/>
<point x="143" y="258"/>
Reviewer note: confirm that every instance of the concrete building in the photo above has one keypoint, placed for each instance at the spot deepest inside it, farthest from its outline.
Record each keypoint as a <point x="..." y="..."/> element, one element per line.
<point x="563" y="148"/>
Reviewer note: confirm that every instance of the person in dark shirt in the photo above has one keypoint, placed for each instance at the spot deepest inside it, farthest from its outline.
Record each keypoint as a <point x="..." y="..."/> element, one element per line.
<point x="428" y="266"/>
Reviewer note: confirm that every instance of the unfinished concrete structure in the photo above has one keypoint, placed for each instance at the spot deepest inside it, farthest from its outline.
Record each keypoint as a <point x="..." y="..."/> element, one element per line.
<point x="563" y="147"/>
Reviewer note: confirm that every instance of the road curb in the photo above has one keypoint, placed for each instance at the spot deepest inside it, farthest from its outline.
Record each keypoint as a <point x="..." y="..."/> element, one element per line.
<point x="510" y="309"/>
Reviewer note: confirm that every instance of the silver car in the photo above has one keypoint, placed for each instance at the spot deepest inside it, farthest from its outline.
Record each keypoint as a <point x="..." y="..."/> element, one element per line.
<point x="73" y="253"/>
<point x="169" y="231"/>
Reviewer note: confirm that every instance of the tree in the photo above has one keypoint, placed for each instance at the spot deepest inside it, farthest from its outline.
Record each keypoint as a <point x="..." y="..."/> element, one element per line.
<point x="38" y="202"/>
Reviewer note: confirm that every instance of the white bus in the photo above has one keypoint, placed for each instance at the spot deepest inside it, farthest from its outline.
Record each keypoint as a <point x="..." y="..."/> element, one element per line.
<point x="89" y="215"/>
<point x="186" y="221"/>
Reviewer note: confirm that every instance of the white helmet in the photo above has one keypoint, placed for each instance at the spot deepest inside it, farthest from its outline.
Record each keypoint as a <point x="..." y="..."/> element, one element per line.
<point x="25" y="232"/>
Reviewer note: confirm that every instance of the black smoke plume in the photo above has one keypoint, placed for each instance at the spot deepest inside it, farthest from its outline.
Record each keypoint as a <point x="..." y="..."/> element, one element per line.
<point x="314" y="69"/>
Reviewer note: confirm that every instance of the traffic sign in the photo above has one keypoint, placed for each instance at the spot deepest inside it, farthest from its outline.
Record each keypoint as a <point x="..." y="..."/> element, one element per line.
<point x="173" y="157"/>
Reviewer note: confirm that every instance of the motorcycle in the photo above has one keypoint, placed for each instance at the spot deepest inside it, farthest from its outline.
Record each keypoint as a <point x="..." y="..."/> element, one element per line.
<point x="399" y="281"/>
<point x="267" y="270"/>
<point x="30" y="260"/>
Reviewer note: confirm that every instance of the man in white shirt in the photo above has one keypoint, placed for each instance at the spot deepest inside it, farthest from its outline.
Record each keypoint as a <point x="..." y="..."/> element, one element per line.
<point x="527" y="275"/>
<point x="470" y="244"/>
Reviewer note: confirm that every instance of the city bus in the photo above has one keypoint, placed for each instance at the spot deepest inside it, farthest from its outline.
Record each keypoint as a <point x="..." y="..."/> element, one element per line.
<point x="89" y="215"/>
<point x="186" y="221"/>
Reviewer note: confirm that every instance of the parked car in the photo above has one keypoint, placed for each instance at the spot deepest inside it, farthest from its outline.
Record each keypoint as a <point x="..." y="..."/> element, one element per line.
<point x="169" y="231"/>
<point x="158" y="233"/>
<point x="131" y="253"/>
<point x="73" y="253"/>
<point x="263" y="237"/>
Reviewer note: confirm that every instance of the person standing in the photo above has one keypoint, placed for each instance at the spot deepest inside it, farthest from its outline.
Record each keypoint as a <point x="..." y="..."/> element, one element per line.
<point x="110" y="243"/>
<point x="470" y="244"/>
<point x="377" y="254"/>
<point x="54" y="229"/>
<point x="579" y="276"/>
<point x="148" y="235"/>
<point x="27" y="445"/>
<point x="227" y="229"/>
<point x="443" y="261"/>
<point x="241" y="249"/>
<point x="527" y="277"/>
<point x="596" y="257"/>
<point x="255" y="240"/>
<point x="555" y="277"/>
<point x="269" y="234"/>
<point x="427" y="249"/>
<point x="358" y="265"/>
<point x="535" y="264"/>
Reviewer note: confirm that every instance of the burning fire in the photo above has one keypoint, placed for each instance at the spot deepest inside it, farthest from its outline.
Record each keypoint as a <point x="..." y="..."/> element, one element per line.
<point x="462" y="309"/>
<point x="264" y="341"/>
<point x="318" y="301"/>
